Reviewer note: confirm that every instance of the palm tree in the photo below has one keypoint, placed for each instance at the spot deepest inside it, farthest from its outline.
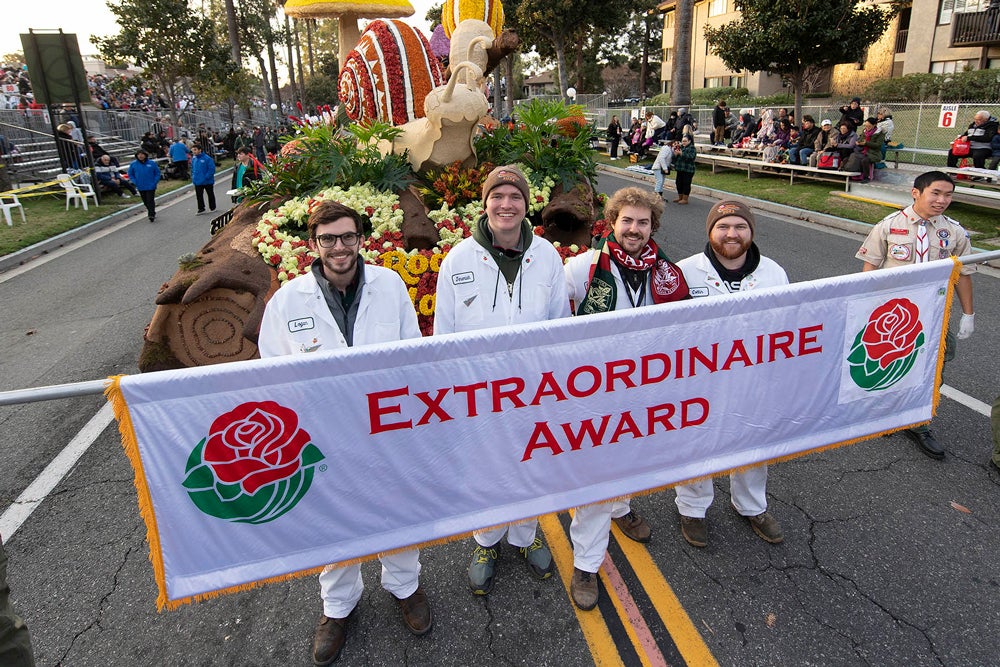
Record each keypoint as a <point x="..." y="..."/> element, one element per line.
<point x="680" y="72"/>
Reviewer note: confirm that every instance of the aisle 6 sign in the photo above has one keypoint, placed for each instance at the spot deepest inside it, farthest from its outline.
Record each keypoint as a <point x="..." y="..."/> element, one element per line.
<point x="949" y="113"/>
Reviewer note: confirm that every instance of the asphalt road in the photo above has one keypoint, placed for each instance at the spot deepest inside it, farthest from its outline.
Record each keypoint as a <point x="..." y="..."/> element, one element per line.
<point x="878" y="566"/>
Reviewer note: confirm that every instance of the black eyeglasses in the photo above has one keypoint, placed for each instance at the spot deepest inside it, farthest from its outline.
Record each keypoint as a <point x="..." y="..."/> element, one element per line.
<point x="350" y="239"/>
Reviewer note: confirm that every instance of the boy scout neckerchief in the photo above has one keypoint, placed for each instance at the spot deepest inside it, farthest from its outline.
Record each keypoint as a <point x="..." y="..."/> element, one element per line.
<point x="667" y="282"/>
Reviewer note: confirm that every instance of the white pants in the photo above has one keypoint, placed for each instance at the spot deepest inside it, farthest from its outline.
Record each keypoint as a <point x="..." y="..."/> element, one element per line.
<point x="518" y="534"/>
<point x="590" y="531"/>
<point x="341" y="587"/>
<point x="748" y="489"/>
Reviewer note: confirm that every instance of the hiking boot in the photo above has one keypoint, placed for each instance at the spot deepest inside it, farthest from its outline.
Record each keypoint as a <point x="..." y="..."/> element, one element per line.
<point x="416" y="612"/>
<point x="634" y="527"/>
<point x="538" y="558"/>
<point x="583" y="589"/>
<point x="331" y="634"/>
<point x="766" y="527"/>
<point x="695" y="530"/>
<point x="482" y="568"/>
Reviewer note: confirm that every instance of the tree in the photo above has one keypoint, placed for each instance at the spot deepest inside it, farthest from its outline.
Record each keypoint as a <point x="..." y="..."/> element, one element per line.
<point x="680" y="70"/>
<point x="790" y="38"/>
<point x="168" y="40"/>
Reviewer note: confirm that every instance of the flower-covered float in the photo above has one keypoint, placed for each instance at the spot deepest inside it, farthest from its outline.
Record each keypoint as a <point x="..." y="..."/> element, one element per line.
<point x="415" y="176"/>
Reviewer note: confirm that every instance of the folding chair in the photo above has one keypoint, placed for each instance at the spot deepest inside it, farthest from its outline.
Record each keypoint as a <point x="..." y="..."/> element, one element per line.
<point x="8" y="207"/>
<point x="76" y="192"/>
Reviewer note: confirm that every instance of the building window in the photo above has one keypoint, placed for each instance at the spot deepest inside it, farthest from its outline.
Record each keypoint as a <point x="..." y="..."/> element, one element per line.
<point x="949" y="7"/>
<point x="718" y="7"/>
<point x="948" y="66"/>
<point x="668" y="20"/>
<point x="667" y="55"/>
<point x="713" y="82"/>
<point x="736" y="81"/>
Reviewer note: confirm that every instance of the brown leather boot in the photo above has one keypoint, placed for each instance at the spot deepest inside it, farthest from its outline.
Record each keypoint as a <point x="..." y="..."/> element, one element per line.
<point x="416" y="612"/>
<point x="331" y="634"/>
<point x="684" y="199"/>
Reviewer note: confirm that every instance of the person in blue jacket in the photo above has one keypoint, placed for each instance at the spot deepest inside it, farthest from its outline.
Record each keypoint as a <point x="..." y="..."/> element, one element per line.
<point x="144" y="174"/>
<point x="203" y="177"/>
<point x="179" y="155"/>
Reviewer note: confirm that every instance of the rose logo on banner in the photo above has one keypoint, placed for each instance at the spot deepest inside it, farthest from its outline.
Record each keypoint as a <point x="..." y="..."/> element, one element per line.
<point x="254" y="466"/>
<point x="886" y="347"/>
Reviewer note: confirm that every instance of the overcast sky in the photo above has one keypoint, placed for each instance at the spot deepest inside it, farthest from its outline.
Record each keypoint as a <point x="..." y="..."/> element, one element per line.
<point x="92" y="17"/>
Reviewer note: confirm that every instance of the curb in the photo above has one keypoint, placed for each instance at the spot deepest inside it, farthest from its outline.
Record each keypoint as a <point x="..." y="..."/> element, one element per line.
<point x="25" y="255"/>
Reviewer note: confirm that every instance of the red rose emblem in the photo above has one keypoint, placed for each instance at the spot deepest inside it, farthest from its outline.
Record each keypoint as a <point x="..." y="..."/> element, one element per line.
<point x="255" y="444"/>
<point x="892" y="331"/>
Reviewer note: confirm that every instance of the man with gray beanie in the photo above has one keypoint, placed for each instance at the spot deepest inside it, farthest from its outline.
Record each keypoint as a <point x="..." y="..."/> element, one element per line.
<point x="501" y="276"/>
<point x="730" y="263"/>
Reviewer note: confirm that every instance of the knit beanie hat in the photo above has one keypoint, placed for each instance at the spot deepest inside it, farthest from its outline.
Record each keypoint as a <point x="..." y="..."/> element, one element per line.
<point x="506" y="175"/>
<point x="729" y="207"/>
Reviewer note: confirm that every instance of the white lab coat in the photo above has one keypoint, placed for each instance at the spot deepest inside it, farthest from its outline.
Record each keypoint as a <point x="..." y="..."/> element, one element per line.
<point x="472" y="293"/>
<point x="748" y="488"/>
<point x="297" y="318"/>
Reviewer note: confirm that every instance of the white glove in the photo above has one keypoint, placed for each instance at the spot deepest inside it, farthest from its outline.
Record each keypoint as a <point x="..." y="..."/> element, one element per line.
<point x="966" y="326"/>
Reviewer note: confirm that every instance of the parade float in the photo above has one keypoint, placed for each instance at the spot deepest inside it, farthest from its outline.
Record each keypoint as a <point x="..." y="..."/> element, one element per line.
<point x="412" y="158"/>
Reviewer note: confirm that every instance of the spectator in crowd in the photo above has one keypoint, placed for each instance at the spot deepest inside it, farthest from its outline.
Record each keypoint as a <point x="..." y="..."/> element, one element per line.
<point x="661" y="165"/>
<point x="885" y="126"/>
<point x="68" y="149"/>
<point x="75" y="132"/>
<point x="96" y="150"/>
<point x="922" y="233"/>
<point x="719" y="123"/>
<point x="826" y="133"/>
<point x="654" y="125"/>
<point x="503" y="275"/>
<point x="150" y="144"/>
<point x="684" y="162"/>
<point x="981" y="131"/>
<point x="730" y="263"/>
<point x="625" y="269"/>
<point x="109" y="177"/>
<point x="259" y="139"/>
<point x="672" y="132"/>
<point x="852" y="114"/>
<point x="179" y="155"/>
<point x="15" y="641"/>
<point x="995" y="149"/>
<point x="779" y="141"/>
<point x="732" y="122"/>
<point x="847" y="139"/>
<point x="766" y="127"/>
<point x="635" y="136"/>
<point x="868" y="148"/>
<point x="686" y="124"/>
<point x="144" y="174"/>
<point x="799" y="152"/>
<point x="614" y="134"/>
<point x="351" y="304"/>
<point x="246" y="171"/>
<point x="203" y="178"/>
<point x="782" y="115"/>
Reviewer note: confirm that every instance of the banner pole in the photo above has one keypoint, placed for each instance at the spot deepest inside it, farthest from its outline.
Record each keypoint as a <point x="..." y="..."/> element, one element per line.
<point x="73" y="389"/>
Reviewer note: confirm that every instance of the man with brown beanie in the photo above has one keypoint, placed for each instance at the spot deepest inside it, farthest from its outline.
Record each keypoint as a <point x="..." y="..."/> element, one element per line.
<point x="730" y="263"/>
<point x="501" y="276"/>
<point x="625" y="269"/>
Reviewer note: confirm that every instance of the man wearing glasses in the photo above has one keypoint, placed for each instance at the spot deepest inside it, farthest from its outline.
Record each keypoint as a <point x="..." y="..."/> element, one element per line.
<point x="342" y="302"/>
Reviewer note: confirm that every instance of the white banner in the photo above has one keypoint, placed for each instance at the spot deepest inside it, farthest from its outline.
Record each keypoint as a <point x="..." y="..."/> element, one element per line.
<point x="259" y="470"/>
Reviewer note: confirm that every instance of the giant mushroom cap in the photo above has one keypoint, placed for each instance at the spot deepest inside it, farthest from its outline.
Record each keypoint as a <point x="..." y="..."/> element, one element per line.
<point x="348" y="12"/>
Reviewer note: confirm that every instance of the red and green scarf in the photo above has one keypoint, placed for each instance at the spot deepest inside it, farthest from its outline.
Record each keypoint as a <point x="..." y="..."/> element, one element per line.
<point x="666" y="279"/>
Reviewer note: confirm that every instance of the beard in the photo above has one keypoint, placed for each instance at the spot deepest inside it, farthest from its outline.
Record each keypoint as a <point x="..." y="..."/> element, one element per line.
<point x="336" y="266"/>
<point x="728" y="251"/>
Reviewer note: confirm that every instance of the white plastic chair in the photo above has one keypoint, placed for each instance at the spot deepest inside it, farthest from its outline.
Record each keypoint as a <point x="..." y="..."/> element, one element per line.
<point x="8" y="207"/>
<point x="76" y="192"/>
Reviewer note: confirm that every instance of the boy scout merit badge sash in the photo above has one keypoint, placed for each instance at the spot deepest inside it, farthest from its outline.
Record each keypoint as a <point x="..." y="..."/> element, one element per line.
<point x="666" y="280"/>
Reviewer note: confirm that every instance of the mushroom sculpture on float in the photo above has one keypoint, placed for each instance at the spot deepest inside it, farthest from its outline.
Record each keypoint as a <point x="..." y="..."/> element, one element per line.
<point x="347" y="13"/>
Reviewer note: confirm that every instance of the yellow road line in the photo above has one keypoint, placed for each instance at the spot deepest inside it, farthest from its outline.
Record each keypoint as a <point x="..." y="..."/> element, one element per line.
<point x="595" y="631"/>
<point x="635" y="625"/>
<point x="687" y="638"/>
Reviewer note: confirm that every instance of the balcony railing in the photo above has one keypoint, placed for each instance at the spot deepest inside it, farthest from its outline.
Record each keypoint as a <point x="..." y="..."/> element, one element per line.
<point x="901" y="41"/>
<point x="975" y="28"/>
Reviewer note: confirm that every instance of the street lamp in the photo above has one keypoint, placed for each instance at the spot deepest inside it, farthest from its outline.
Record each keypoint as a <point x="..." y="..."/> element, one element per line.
<point x="571" y="93"/>
<point x="274" y="113"/>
